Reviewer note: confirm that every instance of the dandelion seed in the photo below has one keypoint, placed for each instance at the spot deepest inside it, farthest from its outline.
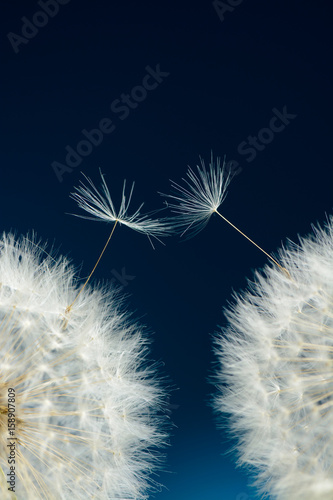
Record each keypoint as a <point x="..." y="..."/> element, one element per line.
<point x="99" y="204"/>
<point x="86" y="402"/>
<point x="201" y="197"/>
<point x="275" y="372"/>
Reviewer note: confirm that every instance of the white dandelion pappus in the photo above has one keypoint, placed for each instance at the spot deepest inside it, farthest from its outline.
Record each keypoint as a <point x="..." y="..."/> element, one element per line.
<point x="201" y="198"/>
<point x="87" y="404"/>
<point x="99" y="204"/>
<point x="275" y="372"/>
<point x="202" y="195"/>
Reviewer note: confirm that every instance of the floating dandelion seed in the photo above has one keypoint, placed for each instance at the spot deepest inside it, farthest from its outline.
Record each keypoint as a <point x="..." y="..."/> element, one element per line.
<point x="99" y="204"/>
<point x="201" y="197"/>
<point x="86" y="404"/>
<point x="276" y="372"/>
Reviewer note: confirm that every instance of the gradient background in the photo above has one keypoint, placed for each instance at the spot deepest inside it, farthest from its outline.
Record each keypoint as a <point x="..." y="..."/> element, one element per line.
<point x="225" y="78"/>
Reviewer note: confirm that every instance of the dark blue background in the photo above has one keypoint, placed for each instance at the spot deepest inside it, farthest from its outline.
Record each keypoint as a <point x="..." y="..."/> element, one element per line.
<point x="225" y="77"/>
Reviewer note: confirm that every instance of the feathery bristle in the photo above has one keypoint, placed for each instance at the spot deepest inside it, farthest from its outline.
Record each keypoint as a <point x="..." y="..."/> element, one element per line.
<point x="203" y="193"/>
<point x="100" y="205"/>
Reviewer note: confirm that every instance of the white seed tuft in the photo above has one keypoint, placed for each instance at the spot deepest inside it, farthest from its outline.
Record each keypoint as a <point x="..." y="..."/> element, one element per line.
<point x="201" y="196"/>
<point x="100" y="205"/>
<point x="276" y="372"/>
<point x="87" y="405"/>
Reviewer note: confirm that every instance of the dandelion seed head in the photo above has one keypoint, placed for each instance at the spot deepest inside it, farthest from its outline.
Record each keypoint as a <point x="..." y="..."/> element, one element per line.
<point x="276" y="372"/>
<point x="201" y="194"/>
<point x="75" y="377"/>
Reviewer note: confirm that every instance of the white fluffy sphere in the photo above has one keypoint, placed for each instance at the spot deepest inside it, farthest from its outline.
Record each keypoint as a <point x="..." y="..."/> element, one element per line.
<point x="80" y="408"/>
<point x="275" y="372"/>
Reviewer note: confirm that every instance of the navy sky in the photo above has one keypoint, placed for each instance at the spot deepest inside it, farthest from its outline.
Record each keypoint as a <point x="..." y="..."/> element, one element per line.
<point x="248" y="80"/>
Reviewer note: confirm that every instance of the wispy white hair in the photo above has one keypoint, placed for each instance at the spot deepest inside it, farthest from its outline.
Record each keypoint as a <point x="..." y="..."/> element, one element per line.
<point x="275" y="372"/>
<point x="100" y="205"/>
<point x="87" y="403"/>
<point x="200" y="196"/>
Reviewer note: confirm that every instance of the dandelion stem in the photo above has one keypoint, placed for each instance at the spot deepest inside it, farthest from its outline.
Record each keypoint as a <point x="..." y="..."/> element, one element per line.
<point x="255" y="244"/>
<point x="90" y="275"/>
